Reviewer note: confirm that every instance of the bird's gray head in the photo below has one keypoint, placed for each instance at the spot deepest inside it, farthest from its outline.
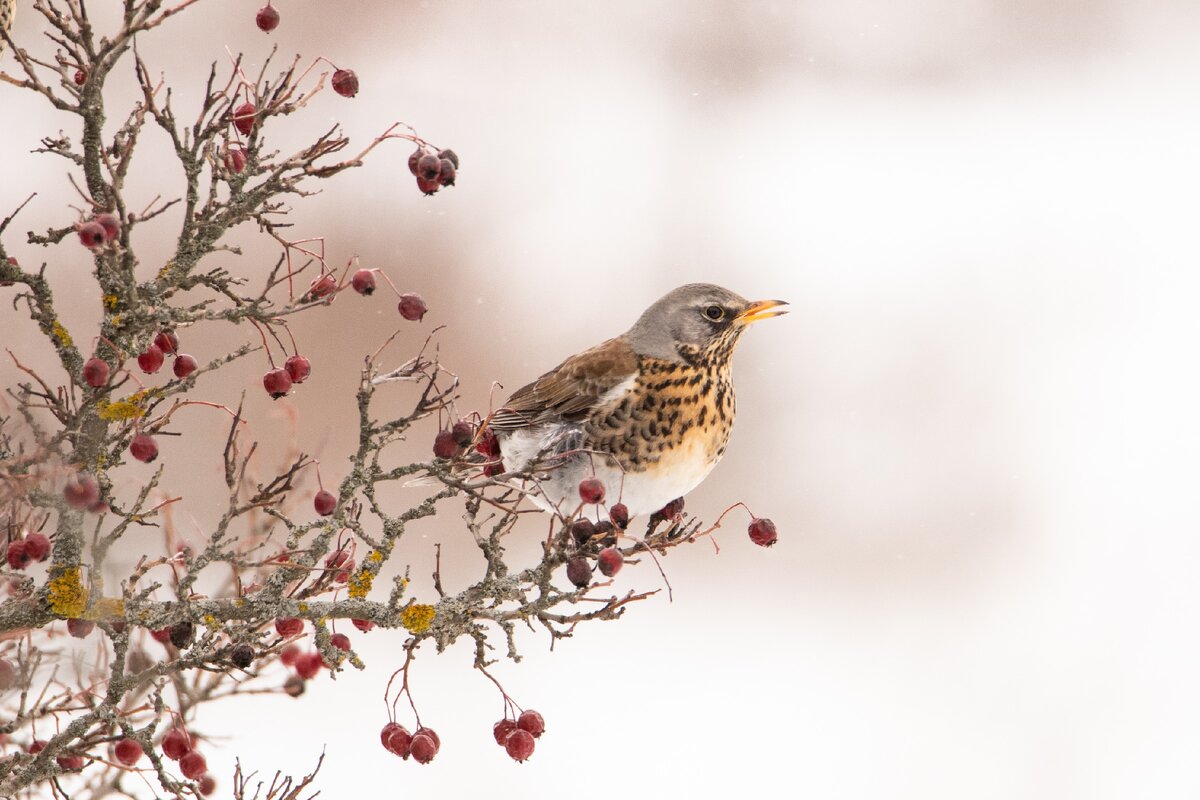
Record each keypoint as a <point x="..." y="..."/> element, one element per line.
<point x="695" y="318"/>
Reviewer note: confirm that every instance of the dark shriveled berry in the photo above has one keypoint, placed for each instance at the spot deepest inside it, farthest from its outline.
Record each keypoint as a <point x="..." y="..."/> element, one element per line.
<point x="428" y="167"/>
<point x="412" y="307"/>
<point x="591" y="490"/>
<point x="91" y="235"/>
<point x="182" y="634"/>
<point x="345" y="82"/>
<point x="150" y="359"/>
<point x="579" y="572"/>
<point x="143" y="448"/>
<point x="363" y="282"/>
<point x="446" y="172"/>
<point x="502" y="729"/>
<point x="278" y="383"/>
<point x="619" y="515"/>
<point x="324" y="502"/>
<point x="422" y="748"/>
<point x="762" y="532"/>
<point x="184" y="365"/>
<point x="519" y="745"/>
<point x="95" y="372"/>
<point x="610" y="561"/>
<point x="450" y="156"/>
<point x="414" y="158"/>
<point x="267" y="19"/>
<point x="582" y="530"/>
<point x="428" y="187"/>
<point x="463" y="433"/>
<point x="532" y="722"/>
<point x="293" y="686"/>
<point x="607" y="533"/>
<point x="176" y="743"/>
<point x="242" y="655"/>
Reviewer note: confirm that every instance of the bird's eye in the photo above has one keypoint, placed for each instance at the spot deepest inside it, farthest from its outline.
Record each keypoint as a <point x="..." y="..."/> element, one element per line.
<point x="714" y="313"/>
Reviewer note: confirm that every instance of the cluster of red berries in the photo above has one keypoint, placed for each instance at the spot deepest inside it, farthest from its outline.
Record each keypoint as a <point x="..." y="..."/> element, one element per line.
<point x="24" y="551"/>
<point x="433" y="169"/>
<point x="178" y="745"/>
<point x="278" y="381"/>
<point x="588" y="535"/>
<point x="422" y="745"/>
<point x="517" y="736"/>
<point x="99" y="231"/>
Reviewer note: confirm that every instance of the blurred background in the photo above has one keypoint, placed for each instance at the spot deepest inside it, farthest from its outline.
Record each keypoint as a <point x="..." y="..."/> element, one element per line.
<point x="976" y="431"/>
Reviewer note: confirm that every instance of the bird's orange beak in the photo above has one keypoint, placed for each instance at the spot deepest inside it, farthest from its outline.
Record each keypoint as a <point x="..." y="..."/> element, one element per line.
<point x="761" y="309"/>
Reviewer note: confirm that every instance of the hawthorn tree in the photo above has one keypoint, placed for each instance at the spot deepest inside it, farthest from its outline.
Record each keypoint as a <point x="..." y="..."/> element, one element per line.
<point x="283" y="559"/>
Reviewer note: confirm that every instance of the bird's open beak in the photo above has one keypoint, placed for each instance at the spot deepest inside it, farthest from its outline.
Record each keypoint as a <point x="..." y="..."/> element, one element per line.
<point x="762" y="309"/>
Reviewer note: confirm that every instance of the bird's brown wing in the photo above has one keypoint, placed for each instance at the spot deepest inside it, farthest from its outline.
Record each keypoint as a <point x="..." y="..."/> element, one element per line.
<point x="571" y="390"/>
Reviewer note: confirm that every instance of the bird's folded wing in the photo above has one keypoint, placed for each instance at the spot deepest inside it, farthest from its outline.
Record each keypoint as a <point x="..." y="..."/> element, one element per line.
<point x="571" y="390"/>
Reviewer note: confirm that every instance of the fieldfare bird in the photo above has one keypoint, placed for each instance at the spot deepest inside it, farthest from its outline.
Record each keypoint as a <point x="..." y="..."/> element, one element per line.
<point x="647" y="413"/>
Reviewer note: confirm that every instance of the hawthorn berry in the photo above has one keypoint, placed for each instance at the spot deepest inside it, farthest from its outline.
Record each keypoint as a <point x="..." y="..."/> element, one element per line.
<point x="37" y="746"/>
<point x="288" y="627"/>
<point x="95" y="372"/>
<point x="176" y="743"/>
<point x="444" y="445"/>
<point x="111" y="225"/>
<point x="422" y="748"/>
<point x="8" y="675"/>
<point x="345" y="82"/>
<point x="762" y="532"/>
<point x="579" y="572"/>
<point x="582" y="530"/>
<point x="184" y="365"/>
<point x="18" y="554"/>
<point x="463" y="433"/>
<point x="207" y="785"/>
<point x="91" y="235"/>
<point x="519" y="745"/>
<point x="289" y="655"/>
<point x="80" y="77"/>
<point x="437" y="740"/>
<point x="502" y="729"/>
<point x="446" y="172"/>
<point x="322" y="287"/>
<point x="607" y="533"/>
<point x="363" y="282"/>
<point x="364" y="625"/>
<point x="242" y="655"/>
<point x="309" y="664"/>
<point x="143" y="448"/>
<point x="428" y="167"/>
<point x="619" y="515"/>
<point x="267" y="19"/>
<point x="37" y="546"/>
<point x="82" y="491"/>
<point x="150" y="359"/>
<point x="449" y="155"/>
<point x="162" y="635"/>
<point x="298" y="368"/>
<point x="340" y="640"/>
<point x="412" y="307"/>
<point x="493" y="469"/>
<point x="414" y="158"/>
<point x="182" y="633"/>
<point x="129" y="751"/>
<point x="591" y="490"/>
<point x="69" y="761"/>
<point x="324" y="502"/>
<point x="293" y="686"/>
<point x="610" y="561"/>
<point x="235" y="160"/>
<point x="243" y="118"/>
<point x="193" y="765"/>
<point x="673" y="510"/>
<point x="80" y="628"/>
<point x="395" y="739"/>
<point x="167" y="341"/>
<point x="532" y="722"/>
<point x="277" y="382"/>
<point x="488" y="445"/>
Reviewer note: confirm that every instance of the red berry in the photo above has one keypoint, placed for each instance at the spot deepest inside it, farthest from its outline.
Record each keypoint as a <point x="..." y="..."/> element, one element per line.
<point x="762" y="532"/>
<point x="235" y="160"/>
<point x="619" y="515"/>
<point x="363" y="282"/>
<point x="37" y="746"/>
<point x="414" y="158"/>
<point x="289" y="626"/>
<point x="337" y="558"/>
<point x="444" y="445"/>
<point x="37" y="546"/>
<point x="8" y="675"/>
<point x="162" y="635"/>
<point x="579" y="572"/>
<point x="91" y="235"/>
<point x="207" y="785"/>
<point x="309" y="664"/>
<point x="167" y="341"/>
<point x="422" y="748"/>
<point x="278" y="383"/>
<point x="324" y="502"/>
<point x="243" y="118"/>
<point x="345" y="82"/>
<point x="267" y="19"/>
<point x="437" y="740"/>
<point x="502" y="729"/>
<point x="143" y="448"/>
<point x="488" y="445"/>
<point x="18" y="554"/>
<point x="673" y="510"/>
<point x="176" y="743"/>
<point x="493" y="469"/>
<point x="412" y="307"/>
<point x="532" y="722"/>
<point x="363" y="625"/>
<point x="591" y="490"/>
<point x="610" y="561"/>
<point x="289" y="655"/>
<point x="322" y="287"/>
<point x="111" y="225"/>
<point x="150" y="359"/>
<point x="69" y="761"/>
<point x="395" y="738"/>
<point x="446" y="173"/>
<point x="129" y="751"/>
<point x="82" y="491"/>
<point x="428" y="167"/>
<point x="80" y="77"/>
<point x="184" y="365"/>
<point x="463" y="433"/>
<point x="450" y="156"/>
<point x="80" y="628"/>
<point x="519" y="745"/>
<point x="193" y="765"/>
<point x="340" y="640"/>
<point x="298" y="368"/>
<point x="427" y="186"/>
